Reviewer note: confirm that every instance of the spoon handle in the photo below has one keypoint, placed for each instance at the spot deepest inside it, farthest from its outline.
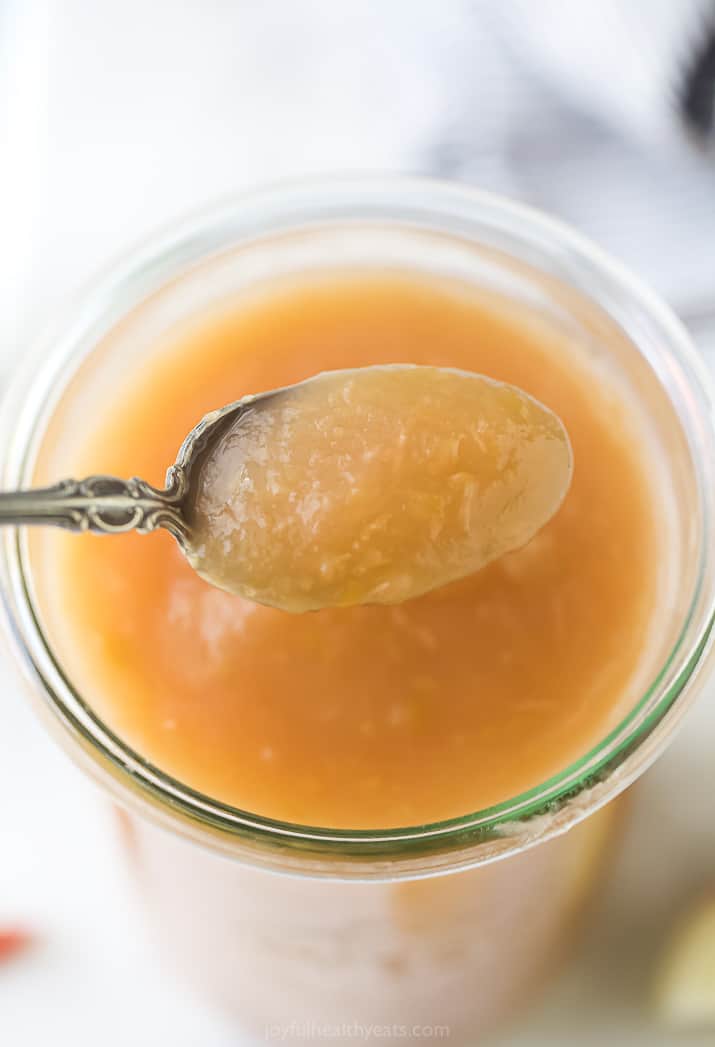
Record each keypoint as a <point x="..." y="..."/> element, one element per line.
<point x="102" y="504"/>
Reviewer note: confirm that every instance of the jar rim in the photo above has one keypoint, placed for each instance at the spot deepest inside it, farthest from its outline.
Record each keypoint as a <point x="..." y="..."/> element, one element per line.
<point x="470" y="839"/>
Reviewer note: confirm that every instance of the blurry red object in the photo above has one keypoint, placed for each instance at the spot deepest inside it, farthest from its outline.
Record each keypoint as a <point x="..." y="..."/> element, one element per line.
<point x="11" y="942"/>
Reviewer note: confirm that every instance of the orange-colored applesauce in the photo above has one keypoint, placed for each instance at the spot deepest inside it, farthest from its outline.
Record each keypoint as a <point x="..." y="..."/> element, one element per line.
<point x="371" y="716"/>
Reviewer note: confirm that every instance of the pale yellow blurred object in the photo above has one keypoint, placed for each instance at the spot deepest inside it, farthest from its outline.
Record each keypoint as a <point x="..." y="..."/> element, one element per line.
<point x="685" y="983"/>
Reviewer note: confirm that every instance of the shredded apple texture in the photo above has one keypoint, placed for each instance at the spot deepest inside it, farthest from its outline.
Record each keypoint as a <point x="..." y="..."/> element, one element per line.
<point x="375" y="485"/>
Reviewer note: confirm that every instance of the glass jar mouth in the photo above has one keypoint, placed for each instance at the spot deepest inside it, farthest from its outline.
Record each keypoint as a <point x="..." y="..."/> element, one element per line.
<point x="470" y="839"/>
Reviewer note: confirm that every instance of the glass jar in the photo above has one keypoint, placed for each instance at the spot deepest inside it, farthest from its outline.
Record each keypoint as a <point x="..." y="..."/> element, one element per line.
<point x="424" y="932"/>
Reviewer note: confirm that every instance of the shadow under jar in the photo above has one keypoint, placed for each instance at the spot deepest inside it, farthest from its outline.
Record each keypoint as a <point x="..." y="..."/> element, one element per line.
<point x="432" y="930"/>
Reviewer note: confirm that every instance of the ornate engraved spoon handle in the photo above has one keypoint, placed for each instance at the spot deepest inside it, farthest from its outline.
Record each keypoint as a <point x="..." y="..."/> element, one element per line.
<point x="103" y="504"/>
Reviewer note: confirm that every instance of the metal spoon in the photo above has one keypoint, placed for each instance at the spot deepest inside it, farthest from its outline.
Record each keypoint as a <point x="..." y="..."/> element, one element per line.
<point x="109" y="505"/>
<point x="372" y="485"/>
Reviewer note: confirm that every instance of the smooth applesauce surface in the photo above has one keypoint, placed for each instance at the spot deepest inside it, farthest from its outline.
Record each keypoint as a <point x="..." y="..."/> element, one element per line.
<point x="366" y="716"/>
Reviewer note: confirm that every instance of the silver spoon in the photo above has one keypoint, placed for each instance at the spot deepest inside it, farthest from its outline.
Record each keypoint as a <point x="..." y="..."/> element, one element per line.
<point x="371" y="485"/>
<point x="109" y="505"/>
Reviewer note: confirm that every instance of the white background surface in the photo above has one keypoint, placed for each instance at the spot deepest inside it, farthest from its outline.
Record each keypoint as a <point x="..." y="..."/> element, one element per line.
<point x="117" y="116"/>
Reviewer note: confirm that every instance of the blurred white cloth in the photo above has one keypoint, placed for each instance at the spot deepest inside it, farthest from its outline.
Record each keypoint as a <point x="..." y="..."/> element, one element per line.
<point x="120" y="114"/>
<point x="625" y="62"/>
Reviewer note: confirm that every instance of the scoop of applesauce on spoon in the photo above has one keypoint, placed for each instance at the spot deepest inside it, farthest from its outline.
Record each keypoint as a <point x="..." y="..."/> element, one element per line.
<point x="371" y="485"/>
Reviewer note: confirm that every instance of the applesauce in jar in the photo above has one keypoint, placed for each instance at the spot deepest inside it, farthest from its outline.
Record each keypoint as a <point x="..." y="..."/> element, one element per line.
<point x="368" y="716"/>
<point x="363" y="717"/>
